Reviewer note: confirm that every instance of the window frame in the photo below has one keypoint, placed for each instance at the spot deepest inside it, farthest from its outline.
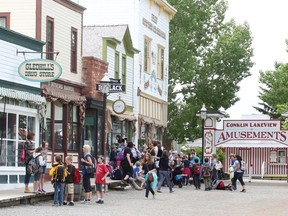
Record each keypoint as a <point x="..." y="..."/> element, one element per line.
<point x="281" y="159"/>
<point x="73" y="60"/>
<point x="50" y="44"/>
<point x="124" y="69"/>
<point x="6" y="16"/>
<point x="160" y="62"/>
<point x="147" y="60"/>
<point x="117" y="65"/>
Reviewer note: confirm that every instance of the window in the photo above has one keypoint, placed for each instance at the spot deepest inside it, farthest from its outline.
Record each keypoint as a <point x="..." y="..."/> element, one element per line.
<point x="5" y="20"/>
<point x="72" y="127"/>
<point x="123" y="81"/>
<point x="74" y="41"/>
<point x="147" y="55"/>
<point x="117" y="65"/>
<point x="160" y="63"/>
<point x="50" y="38"/>
<point x="282" y="157"/>
<point x="58" y="126"/>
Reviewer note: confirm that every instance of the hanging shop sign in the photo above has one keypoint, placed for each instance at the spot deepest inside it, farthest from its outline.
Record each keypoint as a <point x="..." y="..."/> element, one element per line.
<point x="40" y="70"/>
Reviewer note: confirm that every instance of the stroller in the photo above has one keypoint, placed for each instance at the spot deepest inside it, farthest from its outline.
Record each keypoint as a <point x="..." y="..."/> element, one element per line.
<point x="177" y="177"/>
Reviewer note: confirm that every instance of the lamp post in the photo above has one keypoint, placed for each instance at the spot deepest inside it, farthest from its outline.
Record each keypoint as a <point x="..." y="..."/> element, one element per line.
<point x="203" y="115"/>
<point x="105" y="87"/>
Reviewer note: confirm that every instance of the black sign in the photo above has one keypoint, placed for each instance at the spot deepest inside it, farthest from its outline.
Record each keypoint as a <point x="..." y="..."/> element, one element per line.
<point x="114" y="87"/>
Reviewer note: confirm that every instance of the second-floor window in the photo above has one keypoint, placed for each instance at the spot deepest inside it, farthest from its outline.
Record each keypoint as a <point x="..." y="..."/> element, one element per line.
<point x="123" y="81"/>
<point x="147" y="55"/>
<point x="50" y="38"/>
<point x="74" y="50"/>
<point x="5" y="20"/>
<point x="117" y="65"/>
<point x="160" y="63"/>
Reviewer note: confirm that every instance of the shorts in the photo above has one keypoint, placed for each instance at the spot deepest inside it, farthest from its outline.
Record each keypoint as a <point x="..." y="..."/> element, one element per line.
<point x="37" y="176"/>
<point x="44" y="169"/>
<point x="99" y="187"/>
<point x="69" y="188"/>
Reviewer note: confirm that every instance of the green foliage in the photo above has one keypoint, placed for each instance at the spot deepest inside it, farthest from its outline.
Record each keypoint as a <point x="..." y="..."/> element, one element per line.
<point x="220" y="154"/>
<point x="208" y="58"/>
<point x="274" y="91"/>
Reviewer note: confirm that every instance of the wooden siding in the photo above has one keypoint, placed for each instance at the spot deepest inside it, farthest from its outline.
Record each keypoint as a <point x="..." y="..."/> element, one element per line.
<point x="22" y="17"/>
<point x="64" y="19"/>
<point x="10" y="62"/>
<point x="255" y="157"/>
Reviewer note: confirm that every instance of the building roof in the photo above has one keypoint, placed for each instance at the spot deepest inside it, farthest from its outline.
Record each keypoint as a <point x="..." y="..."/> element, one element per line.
<point x="242" y="144"/>
<point x="93" y="38"/>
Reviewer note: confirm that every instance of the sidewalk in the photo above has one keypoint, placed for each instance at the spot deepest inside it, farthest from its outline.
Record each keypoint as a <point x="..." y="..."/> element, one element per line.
<point x="17" y="196"/>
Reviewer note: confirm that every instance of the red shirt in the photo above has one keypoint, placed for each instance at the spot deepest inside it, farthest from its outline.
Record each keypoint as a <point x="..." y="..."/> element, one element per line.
<point x="101" y="170"/>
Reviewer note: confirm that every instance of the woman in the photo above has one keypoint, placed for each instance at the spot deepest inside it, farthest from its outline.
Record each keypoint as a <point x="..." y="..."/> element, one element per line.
<point x="238" y="174"/>
<point x="164" y="172"/>
<point x="149" y="168"/>
<point x="87" y="165"/>
<point x="44" y="155"/>
<point x="29" y="150"/>
<point x="127" y="166"/>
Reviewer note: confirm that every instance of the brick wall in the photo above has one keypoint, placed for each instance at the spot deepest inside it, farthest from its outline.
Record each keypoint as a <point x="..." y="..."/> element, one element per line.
<point x="93" y="71"/>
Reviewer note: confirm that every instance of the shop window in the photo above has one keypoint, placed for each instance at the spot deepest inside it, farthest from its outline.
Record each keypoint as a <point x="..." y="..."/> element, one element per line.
<point x="73" y="127"/>
<point x="13" y="179"/>
<point x="58" y="126"/>
<point x="281" y="157"/>
<point x="3" y="179"/>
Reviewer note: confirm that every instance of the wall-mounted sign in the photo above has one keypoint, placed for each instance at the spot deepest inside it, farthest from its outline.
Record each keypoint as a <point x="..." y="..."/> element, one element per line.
<point x="40" y="70"/>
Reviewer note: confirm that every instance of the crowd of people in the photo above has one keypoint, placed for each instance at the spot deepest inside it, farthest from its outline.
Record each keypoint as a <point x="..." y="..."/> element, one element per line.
<point x="149" y="169"/>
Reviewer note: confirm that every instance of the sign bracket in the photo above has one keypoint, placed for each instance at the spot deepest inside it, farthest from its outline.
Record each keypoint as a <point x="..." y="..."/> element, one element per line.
<point x="24" y="52"/>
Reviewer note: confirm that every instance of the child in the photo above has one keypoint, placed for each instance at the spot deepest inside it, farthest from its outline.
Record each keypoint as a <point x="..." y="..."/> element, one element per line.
<point x="206" y="173"/>
<point x="196" y="167"/>
<point x="69" y="185"/>
<point x="100" y="180"/>
<point x="44" y="155"/>
<point x="136" y="174"/>
<point x="186" y="170"/>
<point x="37" y="173"/>
<point x="58" y="174"/>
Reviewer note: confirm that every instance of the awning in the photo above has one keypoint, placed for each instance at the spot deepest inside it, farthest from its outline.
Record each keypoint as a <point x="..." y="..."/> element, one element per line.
<point x="129" y="116"/>
<point x="155" y="122"/>
<point x="52" y="94"/>
<point x="242" y="144"/>
<point x="21" y="95"/>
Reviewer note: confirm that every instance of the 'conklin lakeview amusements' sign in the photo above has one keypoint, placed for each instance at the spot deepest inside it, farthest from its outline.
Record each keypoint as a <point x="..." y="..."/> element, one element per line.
<point x="40" y="70"/>
<point x="251" y="130"/>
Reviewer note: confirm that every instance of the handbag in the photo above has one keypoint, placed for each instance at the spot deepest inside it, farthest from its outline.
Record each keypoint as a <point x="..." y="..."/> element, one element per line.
<point x="22" y="155"/>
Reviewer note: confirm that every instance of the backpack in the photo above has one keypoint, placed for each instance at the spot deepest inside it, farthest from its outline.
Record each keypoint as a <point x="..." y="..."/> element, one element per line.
<point x="243" y="165"/>
<point x="33" y="165"/>
<point x="59" y="176"/>
<point x="206" y="171"/>
<point x="116" y="174"/>
<point x="91" y="169"/>
<point x="120" y="155"/>
<point x="197" y="169"/>
<point x="221" y="185"/>
<point x="77" y="176"/>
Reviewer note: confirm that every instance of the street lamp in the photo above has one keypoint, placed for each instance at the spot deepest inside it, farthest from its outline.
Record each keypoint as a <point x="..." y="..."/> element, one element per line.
<point x="105" y="87"/>
<point x="203" y="115"/>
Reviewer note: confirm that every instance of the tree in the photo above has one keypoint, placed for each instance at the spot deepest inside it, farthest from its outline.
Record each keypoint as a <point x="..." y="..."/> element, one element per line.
<point x="208" y="59"/>
<point x="274" y="91"/>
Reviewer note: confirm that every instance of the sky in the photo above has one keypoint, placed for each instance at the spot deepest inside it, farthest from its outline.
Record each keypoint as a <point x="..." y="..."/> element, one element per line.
<point x="268" y="21"/>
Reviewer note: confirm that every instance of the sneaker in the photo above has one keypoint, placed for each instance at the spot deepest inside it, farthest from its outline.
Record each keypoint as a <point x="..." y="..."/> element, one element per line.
<point x="172" y="191"/>
<point x="154" y="195"/>
<point x="70" y="204"/>
<point x="43" y="190"/>
<point x="243" y="191"/>
<point x="98" y="201"/>
<point x="158" y="191"/>
<point x="101" y="202"/>
<point x="84" y="202"/>
<point x="64" y="203"/>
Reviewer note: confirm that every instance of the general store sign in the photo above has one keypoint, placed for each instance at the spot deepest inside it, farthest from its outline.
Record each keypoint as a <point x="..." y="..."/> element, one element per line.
<point x="40" y="70"/>
<point x="251" y="130"/>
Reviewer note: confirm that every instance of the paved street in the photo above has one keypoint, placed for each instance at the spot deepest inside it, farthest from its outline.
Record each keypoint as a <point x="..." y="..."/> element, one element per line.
<point x="262" y="198"/>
